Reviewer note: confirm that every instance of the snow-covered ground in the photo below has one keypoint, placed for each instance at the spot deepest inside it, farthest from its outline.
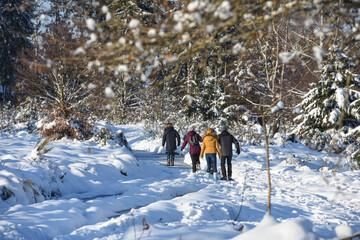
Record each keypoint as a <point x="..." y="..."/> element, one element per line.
<point x="86" y="190"/>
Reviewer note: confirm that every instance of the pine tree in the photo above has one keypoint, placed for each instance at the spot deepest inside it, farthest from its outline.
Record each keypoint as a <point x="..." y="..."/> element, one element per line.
<point x="191" y="88"/>
<point x="323" y="105"/>
<point x="210" y="100"/>
<point x="15" y="28"/>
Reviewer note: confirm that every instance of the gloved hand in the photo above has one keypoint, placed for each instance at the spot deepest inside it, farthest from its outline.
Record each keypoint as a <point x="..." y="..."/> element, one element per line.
<point x="238" y="151"/>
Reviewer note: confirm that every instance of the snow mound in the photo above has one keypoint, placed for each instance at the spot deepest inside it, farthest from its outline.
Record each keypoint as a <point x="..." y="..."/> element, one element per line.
<point x="270" y="229"/>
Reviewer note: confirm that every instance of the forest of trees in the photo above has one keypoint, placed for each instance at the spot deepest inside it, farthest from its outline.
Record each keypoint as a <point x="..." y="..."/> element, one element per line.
<point x="291" y="65"/>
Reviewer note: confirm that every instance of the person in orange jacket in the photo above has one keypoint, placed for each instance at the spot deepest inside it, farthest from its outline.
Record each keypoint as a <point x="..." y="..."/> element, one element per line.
<point x="210" y="147"/>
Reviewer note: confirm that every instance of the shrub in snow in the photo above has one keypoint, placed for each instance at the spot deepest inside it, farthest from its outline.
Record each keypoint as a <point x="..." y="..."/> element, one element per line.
<point x="120" y="139"/>
<point x="41" y="148"/>
<point x="16" y="190"/>
<point x="105" y="134"/>
<point x="32" y="191"/>
<point x="356" y="157"/>
<point x="323" y="105"/>
<point x="249" y="130"/>
<point x="6" y="193"/>
<point x="317" y="140"/>
<point x="26" y="114"/>
<point x="23" y="116"/>
<point x="6" y="117"/>
<point x="50" y="179"/>
<point x="67" y="122"/>
<point x="291" y="160"/>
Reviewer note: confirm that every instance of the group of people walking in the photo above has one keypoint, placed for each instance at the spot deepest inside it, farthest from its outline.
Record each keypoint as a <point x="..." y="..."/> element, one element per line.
<point x="212" y="144"/>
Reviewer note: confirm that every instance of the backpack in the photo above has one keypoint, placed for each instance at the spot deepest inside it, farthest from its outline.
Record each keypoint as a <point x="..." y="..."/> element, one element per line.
<point x="193" y="140"/>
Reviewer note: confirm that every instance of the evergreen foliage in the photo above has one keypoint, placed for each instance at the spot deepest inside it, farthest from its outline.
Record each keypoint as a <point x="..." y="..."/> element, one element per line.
<point x="6" y="116"/>
<point x="210" y="99"/>
<point x="15" y="28"/>
<point x="323" y="105"/>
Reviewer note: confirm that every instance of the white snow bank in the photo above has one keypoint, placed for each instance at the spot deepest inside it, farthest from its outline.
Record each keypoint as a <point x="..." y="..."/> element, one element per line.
<point x="270" y="229"/>
<point x="70" y="167"/>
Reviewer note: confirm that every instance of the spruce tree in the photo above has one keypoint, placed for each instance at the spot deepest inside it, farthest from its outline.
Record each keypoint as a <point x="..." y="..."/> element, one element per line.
<point x="210" y="100"/>
<point x="15" y="28"/>
<point x="191" y="85"/>
<point x="323" y="105"/>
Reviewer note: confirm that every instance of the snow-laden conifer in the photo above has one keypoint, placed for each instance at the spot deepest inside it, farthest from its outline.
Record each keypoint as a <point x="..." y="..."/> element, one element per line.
<point x="323" y="106"/>
<point x="210" y="100"/>
<point x="16" y="26"/>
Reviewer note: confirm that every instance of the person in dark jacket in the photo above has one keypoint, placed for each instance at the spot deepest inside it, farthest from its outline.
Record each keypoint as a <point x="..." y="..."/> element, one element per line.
<point x="225" y="141"/>
<point x="194" y="140"/>
<point x="172" y="139"/>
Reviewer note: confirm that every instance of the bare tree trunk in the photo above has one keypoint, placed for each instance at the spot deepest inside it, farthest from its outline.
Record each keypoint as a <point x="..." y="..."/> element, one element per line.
<point x="267" y="162"/>
<point x="36" y="36"/>
<point x="266" y="137"/>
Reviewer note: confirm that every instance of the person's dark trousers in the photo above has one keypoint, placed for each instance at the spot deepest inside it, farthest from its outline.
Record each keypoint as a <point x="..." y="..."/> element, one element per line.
<point x="226" y="159"/>
<point x="171" y="154"/>
<point x="194" y="159"/>
<point x="211" y="160"/>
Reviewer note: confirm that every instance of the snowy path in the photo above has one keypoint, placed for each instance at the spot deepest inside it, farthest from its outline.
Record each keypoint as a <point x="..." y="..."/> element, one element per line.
<point x="161" y="159"/>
